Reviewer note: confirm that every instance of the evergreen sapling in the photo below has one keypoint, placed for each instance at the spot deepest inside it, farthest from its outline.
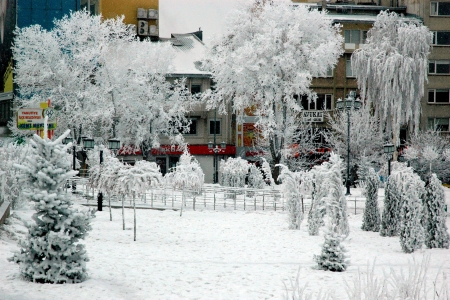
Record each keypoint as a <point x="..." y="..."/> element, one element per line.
<point x="371" y="217"/>
<point x="436" y="230"/>
<point x="52" y="252"/>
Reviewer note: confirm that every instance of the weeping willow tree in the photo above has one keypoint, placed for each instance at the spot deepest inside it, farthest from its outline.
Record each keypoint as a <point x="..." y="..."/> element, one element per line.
<point x="391" y="70"/>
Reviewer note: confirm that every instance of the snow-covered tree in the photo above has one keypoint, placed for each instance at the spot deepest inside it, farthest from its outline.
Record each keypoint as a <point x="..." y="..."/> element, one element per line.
<point x="234" y="171"/>
<point x="332" y="258"/>
<point x="371" y="218"/>
<point x="390" y="220"/>
<point x="265" y="166"/>
<point x="101" y="78"/>
<point x="411" y="211"/>
<point x="318" y="193"/>
<point x="436" y="233"/>
<point x="187" y="174"/>
<point x="335" y="198"/>
<point x="267" y="57"/>
<point x="11" y="187"/>
<point x="292" y="194"/>
<point x="366" y="138"/>
<point x="426" y="153"/>
<point x="52" y="252"/>
<point x="255" y="179"/>
<point x="391" y="70"/>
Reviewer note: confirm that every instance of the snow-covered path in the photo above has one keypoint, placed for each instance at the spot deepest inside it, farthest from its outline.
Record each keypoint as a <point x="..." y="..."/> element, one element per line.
<point x="207" y="255"/>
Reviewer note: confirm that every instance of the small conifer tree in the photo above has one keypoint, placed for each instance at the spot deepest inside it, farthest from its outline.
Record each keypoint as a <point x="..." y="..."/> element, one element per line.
<point x="436" y="230"/>
<point x="390" y="221"/>
<point x="255" y="178"/>
<point x="52" y="252"/>
<point x="371" y="217"/>
<point x="291" y="190"/>
<point x="332" y="258"/>
<point x="318" y="206"/>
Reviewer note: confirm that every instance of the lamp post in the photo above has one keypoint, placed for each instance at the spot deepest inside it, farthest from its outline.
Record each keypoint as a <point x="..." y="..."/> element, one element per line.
<point x="388" y="150"/>
<point x="216" y="149"/>
<point x="348" y="104"/>
<point x="113" y="144"/>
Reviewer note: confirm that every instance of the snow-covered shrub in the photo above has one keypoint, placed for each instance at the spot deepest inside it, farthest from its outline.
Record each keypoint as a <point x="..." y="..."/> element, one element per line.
<point x="332" y="257"/>
<point x="265" y="166"/>
<point x="234" y="171"/>
<point x="52" y="252"/>
<point x="318" y="205"/>
<point x="390" y="220"/>
<point x="255" y="178"/>
<point x="371" y="217"/>
<point x="426" y="153"/>
<point x="187" y="174"/>
<point x="291" y="189"/>
<point x="11" y="188"/>
<point x="435" y="228"/>
<point x="411" y="211"/>
<point x="335" y="198"/>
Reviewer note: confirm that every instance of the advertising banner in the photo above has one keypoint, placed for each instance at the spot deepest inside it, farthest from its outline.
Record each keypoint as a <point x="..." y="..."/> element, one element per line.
<point x="33" y="118"/>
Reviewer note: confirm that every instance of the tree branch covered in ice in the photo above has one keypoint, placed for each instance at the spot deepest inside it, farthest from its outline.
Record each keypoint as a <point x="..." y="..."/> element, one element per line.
<point x="391" y="69"/>
<point x="269" y="53"/>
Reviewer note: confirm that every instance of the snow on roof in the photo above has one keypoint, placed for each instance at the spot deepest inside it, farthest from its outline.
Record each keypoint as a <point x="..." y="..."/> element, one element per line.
<point x="189" y="51"/>
<point x="346" y="18"/>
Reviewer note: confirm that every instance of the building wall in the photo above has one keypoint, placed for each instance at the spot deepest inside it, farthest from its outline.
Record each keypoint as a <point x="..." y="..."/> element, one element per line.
<point x="128" y="8"/>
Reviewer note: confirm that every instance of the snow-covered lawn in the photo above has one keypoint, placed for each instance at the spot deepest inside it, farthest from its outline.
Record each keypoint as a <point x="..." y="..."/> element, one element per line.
<point x="207" y="255"/>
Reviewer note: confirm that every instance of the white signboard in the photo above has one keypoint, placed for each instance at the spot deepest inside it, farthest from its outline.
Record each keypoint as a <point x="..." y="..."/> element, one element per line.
<point x="312" y="116"/>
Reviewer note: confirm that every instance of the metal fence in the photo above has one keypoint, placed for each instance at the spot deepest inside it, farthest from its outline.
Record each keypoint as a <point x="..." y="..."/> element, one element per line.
<point x="211" y="197"/>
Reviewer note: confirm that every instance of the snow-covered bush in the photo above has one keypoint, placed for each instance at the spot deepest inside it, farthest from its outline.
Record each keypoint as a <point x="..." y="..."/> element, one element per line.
<point x="411" y="211"/>
<point x="435" y="228"/>
<point x="255" y="178"/>
<point x="390" y="220"/>
<point x="234" y="171"/>
<point x="318" y="207"/>
<point x="332" y="258"/>
<point x="265" y="166"/>
<point x="11" y="188"/>
<point x="335" y="198"/>
<point x="291" y="182"/>
<point x="371" y="217"/>
<point x="187" y="174"/>
<point x="426" y="153"/>
<point x="52" y="252"/>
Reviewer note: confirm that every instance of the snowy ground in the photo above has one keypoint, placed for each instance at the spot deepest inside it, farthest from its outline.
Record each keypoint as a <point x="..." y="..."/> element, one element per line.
<point x="207" y="255"/>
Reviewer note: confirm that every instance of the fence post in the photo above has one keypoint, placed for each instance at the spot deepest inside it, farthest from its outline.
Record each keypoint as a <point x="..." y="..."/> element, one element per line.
<point x="263" y="200"/>
<point x="151" y="200"/>
<point x="214" y="199"/>
<point x="193" y="203"/>
<point x="355" y="205"/>
<point x="255" y="203"/>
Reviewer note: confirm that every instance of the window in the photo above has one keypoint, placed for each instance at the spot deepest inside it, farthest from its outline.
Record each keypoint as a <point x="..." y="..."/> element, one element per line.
<point x="439" y="8"/>
<point x="348" y="68"/>
<point x="185" y="128"/>
<point x="440" y="124"/>
<point x="439" y="67"/>
<point x="355" y="36"/>
<point x="192" y="129"/>
<point x="439" y="96"/>
<point x="5" y="112"/>
<point x="196" y="88"/>
<point x="328" y="73"/>
<point x="214" y="127"/>
<point x="323" y="102"/>
<point x="441" y="38"/>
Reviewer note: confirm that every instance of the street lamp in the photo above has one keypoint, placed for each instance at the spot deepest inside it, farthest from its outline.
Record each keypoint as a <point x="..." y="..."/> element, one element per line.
<point x="347" y="104"/>
<point x="114" y="145"/>
<point x="388" y="150"/>
<point x="216" y="149"/>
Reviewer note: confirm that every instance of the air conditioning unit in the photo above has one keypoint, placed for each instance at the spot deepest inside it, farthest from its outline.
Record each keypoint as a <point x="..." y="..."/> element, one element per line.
<point x="153" y="14"/>
<point x="154" y="30"/>
<point x="142" y="28"/>
<point x="141" y="13"/>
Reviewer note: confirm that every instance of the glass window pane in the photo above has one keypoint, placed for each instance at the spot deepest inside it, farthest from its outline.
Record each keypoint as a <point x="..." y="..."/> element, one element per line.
<point x="348" y="68"/>
<point x="443" y="38"/>
<point x="355" y="37"/>
<point x="431" y="67"/>
<point x="305" y="103"/>
<point x="312" y="104"/>
<point x="430" y="123"/>
<point x="214" y="127"/>
<point x="347" y="36"/>
<point x="320" y="102"/>
<point x="196" y="88"/>
<point x="442" y="96"/>
<point x="444" y="9"/>
<point x="364" y="36"/>
<point x="430" y="95"/>
<point x="433" y="9"/>
<point x="328" y="102"/>
<point x="442" y="68"/>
